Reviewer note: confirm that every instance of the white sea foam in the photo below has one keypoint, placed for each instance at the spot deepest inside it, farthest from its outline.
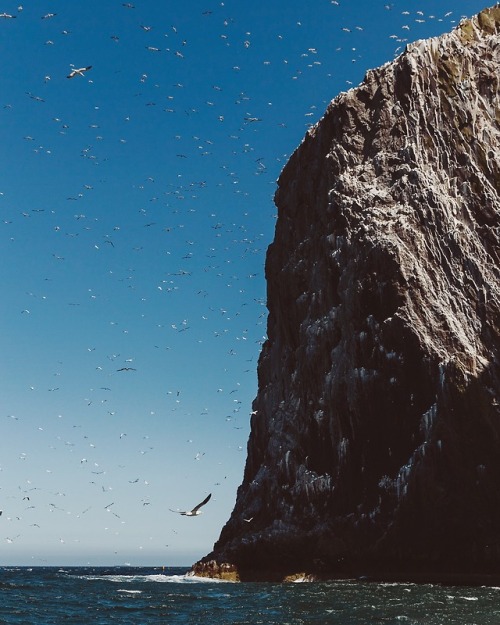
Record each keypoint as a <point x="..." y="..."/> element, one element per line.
<point x="464" y="598"/>
<point x="130" y="592"/>
<point x="158" y="578"/>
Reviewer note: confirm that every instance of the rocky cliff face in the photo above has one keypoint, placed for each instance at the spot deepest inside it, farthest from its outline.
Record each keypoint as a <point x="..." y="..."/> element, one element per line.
<point x="375" y="438"/>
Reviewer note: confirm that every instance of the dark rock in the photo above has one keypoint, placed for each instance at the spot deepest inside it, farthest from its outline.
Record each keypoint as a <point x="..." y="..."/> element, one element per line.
<point x="375" y="442"/>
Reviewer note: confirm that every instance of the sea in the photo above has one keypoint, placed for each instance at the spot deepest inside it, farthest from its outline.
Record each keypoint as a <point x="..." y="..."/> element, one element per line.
<point x="151" y="596"/>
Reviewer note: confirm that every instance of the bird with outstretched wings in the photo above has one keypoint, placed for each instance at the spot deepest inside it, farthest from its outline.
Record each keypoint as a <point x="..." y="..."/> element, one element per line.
<point x="78" y="71"/>
<point x="196" y="510"/>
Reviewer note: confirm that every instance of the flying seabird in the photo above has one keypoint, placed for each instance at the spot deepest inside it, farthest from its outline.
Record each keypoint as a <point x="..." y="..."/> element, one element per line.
<point x="196" y="510"/>
<point x="78" y="71"/>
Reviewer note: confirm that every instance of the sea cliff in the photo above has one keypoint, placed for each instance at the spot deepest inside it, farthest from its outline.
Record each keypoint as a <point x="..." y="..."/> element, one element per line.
<point x="375" y="435"/>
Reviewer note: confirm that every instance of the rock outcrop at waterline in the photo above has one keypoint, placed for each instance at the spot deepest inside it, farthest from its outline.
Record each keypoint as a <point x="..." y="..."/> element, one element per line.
<point x="375" y="438"/>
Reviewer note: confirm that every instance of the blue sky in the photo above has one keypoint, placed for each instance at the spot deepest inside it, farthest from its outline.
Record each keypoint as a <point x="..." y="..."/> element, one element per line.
<point x="137" y="207"/>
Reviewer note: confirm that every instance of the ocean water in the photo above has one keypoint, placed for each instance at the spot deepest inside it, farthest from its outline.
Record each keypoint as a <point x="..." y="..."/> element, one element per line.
<point x="150" y="596"/>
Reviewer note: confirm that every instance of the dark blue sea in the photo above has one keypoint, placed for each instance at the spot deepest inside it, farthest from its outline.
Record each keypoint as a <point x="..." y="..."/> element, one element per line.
<point x="150" y="596"/>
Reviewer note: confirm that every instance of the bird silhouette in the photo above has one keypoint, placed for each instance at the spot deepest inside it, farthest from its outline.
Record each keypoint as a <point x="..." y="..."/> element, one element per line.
<point x="196" y="510"/>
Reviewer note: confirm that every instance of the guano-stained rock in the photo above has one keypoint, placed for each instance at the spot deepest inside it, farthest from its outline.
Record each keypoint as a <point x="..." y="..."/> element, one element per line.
<point x="375" y="439"/>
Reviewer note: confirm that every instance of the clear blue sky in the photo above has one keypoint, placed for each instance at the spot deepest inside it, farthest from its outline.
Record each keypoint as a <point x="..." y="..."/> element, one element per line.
<point x="136" y="209"/>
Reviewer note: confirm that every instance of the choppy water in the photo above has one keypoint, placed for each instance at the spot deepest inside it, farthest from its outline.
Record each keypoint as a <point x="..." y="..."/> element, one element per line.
<point x="148" y="596"/>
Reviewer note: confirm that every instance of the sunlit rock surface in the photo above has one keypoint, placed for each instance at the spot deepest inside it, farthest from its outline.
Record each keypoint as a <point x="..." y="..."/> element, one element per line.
<point x="375" y="439"/>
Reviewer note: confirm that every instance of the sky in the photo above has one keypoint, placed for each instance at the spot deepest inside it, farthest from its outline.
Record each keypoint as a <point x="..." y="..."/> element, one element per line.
<point x="136" y="203"/>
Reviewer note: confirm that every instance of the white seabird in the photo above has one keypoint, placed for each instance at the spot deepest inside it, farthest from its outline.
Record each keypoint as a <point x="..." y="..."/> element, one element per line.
<point x="196" y="510"/>
<point x="78" y="71"/>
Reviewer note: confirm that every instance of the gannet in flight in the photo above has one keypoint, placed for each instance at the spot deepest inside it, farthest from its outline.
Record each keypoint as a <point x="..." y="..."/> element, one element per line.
<point x="78" y="72"/>
<point x="196" y="510"/>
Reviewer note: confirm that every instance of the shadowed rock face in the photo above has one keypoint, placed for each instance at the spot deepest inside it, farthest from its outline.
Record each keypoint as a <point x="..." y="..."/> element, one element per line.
<point x="375" y="441"/>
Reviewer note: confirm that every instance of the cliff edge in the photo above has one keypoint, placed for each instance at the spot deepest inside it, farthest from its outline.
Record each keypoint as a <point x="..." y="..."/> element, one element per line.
<point x="375" y="438"/>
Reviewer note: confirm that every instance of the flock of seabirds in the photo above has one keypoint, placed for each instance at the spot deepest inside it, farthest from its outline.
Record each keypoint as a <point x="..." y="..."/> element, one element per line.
<point x="250" y="120"/>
